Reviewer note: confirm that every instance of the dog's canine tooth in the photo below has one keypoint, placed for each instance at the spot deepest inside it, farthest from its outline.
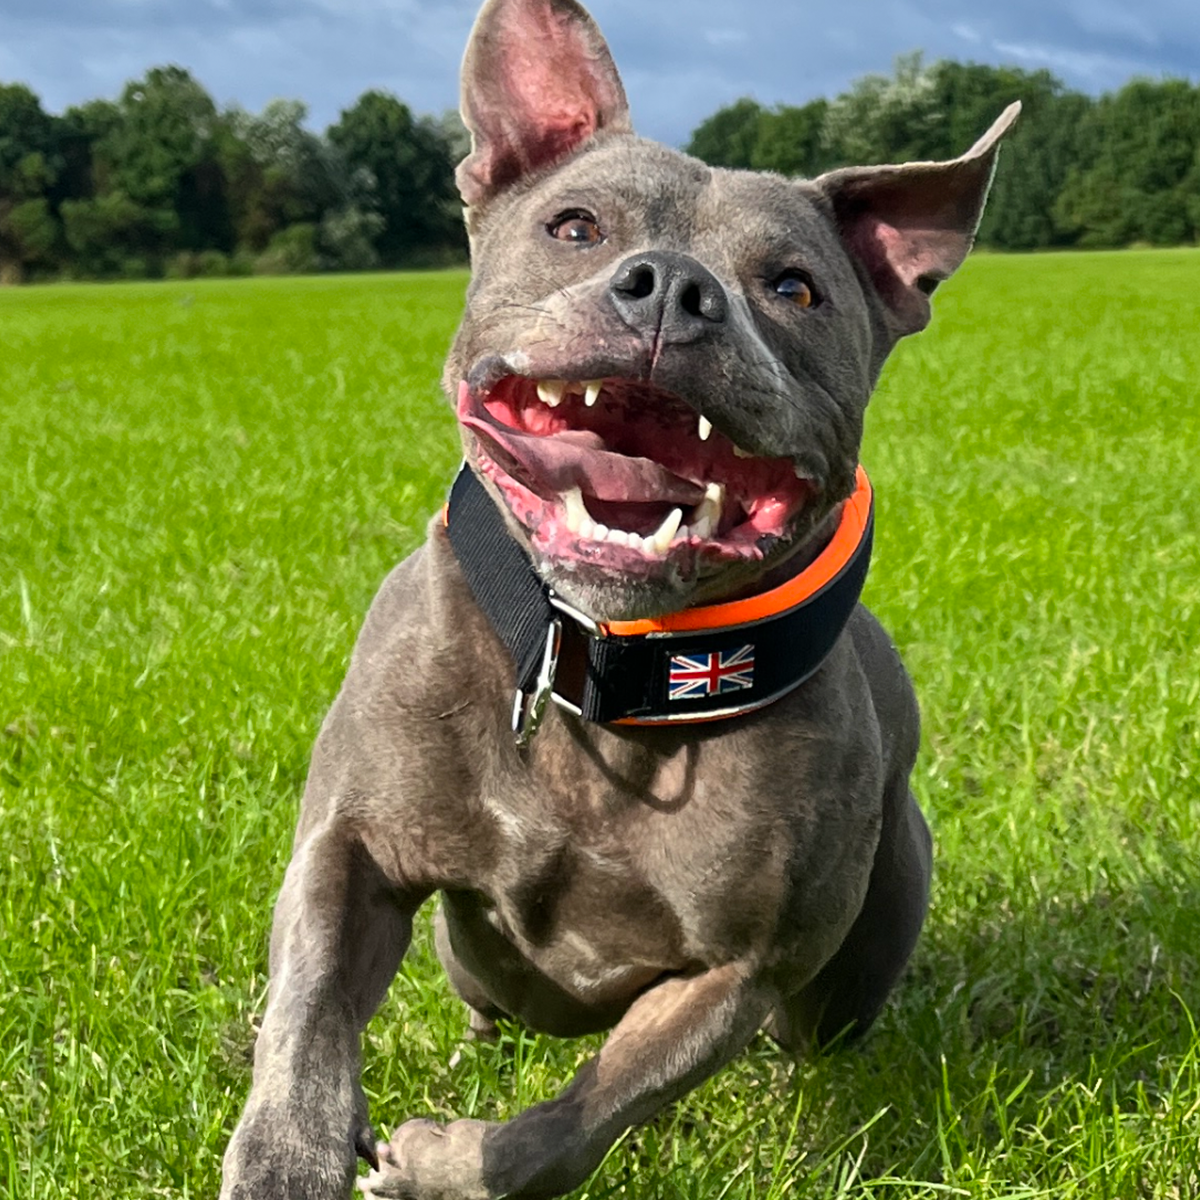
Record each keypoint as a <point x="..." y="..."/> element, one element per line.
<point x="708" y="512"/>
<point x="577" y="513"/>
<point x="550" y="391"/>
<point x="661" y="540"/>
<point x="705" y="429"/>
<point x="591" y="391"/>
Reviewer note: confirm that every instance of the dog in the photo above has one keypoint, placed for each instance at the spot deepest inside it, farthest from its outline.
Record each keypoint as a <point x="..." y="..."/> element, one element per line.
<point x="622" y="711"/>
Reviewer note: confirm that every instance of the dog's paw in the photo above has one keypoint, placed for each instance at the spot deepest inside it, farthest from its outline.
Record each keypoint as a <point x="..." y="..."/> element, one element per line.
<point x="428" y="1161"/>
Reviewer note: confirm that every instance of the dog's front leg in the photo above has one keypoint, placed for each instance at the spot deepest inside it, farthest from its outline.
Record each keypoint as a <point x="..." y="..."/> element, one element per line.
<point x="339" y="933"/>
<point x="675" y="1035"/>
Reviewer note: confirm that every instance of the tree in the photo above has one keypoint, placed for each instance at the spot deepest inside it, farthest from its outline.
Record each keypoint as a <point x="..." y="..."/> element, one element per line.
<point x="882" y="118"/>
<point x="278" y="172"/>
<point x="792" y="140"/>
<point x="921" y="112"/>
<point x="726" y="139"/>
<point x="1139" y="175"/>
<point x="162" y="155"/>
<point x="29" y="165"/>
<point x="1034" y="162"/>
<point x="410" y="164"/>
<point x="110" y="234"/>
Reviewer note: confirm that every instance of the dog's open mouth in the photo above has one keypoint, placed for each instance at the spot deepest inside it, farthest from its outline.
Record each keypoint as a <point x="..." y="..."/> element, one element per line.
<point x="619" y="473"/>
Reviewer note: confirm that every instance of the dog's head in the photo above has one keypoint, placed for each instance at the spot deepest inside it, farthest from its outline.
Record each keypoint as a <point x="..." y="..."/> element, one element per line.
<point x="662" y="370"/>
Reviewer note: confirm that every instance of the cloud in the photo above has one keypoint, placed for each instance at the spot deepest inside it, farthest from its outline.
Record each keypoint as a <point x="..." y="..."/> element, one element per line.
<point x="1117" y="21"/>
<point x="1100" y="69"/>
<point x="725" y="37"/>
<point x="681" y="59"/>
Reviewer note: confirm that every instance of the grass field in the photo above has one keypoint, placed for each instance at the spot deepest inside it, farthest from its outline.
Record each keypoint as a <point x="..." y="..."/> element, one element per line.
<point x="201" y="486"/>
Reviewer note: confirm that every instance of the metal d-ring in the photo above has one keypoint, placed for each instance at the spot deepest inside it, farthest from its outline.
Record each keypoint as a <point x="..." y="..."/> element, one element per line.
<point x="530" y="707"/>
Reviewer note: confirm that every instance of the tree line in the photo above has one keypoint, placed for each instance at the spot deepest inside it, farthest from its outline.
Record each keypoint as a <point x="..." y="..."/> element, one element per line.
<point x="1117" y="170"/>
<point x="162" y="182"/>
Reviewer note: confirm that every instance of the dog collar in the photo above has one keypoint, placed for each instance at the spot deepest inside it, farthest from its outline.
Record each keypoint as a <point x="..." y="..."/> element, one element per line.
<point x="699" y="664"/>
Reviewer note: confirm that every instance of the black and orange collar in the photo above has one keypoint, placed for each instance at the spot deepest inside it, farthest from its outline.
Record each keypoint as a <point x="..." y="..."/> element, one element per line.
<point x="700" y="664"/>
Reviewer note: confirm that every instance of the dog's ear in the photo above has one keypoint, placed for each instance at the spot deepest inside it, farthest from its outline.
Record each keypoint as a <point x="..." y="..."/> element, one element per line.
<point x="537" y="82"/>
<point x="912" y="225"/>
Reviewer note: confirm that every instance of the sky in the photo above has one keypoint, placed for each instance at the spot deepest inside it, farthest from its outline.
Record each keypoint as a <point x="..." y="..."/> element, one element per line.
<point x="680" y="59"/>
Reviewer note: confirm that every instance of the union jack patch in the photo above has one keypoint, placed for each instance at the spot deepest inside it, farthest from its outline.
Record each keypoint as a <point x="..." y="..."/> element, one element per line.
<point x="693" y="676"/>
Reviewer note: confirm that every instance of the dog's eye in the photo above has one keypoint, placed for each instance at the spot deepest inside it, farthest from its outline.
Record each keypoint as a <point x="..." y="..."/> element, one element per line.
<point x="797" y="287"/>
<point x="576" y="226"/>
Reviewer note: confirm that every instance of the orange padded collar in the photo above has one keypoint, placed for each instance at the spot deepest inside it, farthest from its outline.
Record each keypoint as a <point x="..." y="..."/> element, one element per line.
<point x="821" y="571"/>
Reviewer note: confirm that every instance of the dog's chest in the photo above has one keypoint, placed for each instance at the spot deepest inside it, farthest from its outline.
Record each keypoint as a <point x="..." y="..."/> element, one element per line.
<point x="610" y="868"/>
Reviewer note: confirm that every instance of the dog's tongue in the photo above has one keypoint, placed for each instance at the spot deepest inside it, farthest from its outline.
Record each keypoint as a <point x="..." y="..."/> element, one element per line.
<point x="577" y="458"/>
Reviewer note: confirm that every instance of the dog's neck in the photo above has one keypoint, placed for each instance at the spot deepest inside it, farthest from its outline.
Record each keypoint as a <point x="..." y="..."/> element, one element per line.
<point x="700" y="664"/>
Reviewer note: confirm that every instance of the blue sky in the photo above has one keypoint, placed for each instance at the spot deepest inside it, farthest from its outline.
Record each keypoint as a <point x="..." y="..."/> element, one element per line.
<point x="681" y="59"/>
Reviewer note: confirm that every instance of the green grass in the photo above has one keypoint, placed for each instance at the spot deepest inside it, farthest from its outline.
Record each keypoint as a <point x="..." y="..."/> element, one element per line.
<point x="201" y="486"/>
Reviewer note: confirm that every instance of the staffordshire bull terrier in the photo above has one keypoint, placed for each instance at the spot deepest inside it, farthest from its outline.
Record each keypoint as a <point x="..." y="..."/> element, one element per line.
<point x="622" y="712"/>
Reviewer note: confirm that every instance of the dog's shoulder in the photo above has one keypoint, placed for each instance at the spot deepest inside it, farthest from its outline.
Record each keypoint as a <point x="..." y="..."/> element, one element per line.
<point x="891" y="689"/>
<point x="423" y="670"/>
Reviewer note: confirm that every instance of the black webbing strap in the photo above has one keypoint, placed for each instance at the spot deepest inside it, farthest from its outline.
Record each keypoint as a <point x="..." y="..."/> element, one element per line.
<point x="650" y="677"/>
<point x="499" y="574"/>
<point x="682" y="676"/>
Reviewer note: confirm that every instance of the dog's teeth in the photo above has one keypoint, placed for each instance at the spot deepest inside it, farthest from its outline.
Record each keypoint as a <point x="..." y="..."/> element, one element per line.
<point x="619" y="537"/>
<point x="591" y="392"/>
<point x="587" y="529"/>
<point x="574" y="389"/>
<point x="714" y="500"/>
<point x="576" y="512"/>
<point x="550" y="391"/>
<point x="600" y="532"/>
<point x="705" y="428"/>
<point x="661" y="540"/>
<point x="740" y="453"/>
<point x="707" y="516"/>
<point x="801" y="475"/>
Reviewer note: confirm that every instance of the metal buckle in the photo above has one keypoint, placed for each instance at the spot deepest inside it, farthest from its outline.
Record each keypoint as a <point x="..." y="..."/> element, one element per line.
<point x="529" y="708"/>
<point x="581" y="619"/>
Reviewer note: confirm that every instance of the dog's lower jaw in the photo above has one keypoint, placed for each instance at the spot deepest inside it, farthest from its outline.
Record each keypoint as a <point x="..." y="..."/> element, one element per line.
<point x="606" y="597"/>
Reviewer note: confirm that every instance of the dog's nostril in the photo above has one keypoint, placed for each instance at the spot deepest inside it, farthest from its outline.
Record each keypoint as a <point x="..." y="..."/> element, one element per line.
<point x="642" y="284"/>
<point x="691" y="300"/>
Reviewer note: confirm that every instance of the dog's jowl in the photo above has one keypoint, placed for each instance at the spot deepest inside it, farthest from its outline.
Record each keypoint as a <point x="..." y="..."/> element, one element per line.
<point x="622" y="713"/>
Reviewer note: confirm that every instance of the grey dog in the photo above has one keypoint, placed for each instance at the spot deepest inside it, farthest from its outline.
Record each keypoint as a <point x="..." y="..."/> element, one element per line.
<point x="660" y="377"/>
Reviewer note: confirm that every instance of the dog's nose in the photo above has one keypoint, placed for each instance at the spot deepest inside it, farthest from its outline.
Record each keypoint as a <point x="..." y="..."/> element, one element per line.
<point x="669" y="295"/>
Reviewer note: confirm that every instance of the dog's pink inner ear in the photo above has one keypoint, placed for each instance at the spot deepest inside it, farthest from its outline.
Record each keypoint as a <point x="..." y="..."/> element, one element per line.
<point x="910" y="232"/>
<point x="538" y="82"/>
<point x="911" y="226"/>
